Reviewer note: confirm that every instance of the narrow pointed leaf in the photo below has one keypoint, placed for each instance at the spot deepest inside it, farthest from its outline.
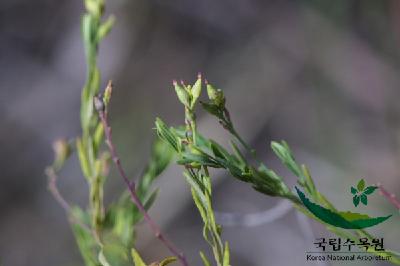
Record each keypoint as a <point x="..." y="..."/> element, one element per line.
<point x="226" y="255"/>
<point x="284" y="153"/>
<point x="238" y="153"/>
<point x="218" y="150"/>
<point x="206" y="262"/>
<point x="102" y="259"/>
<point x="137" y="259"/>
<point x="212" y="109"/>
<point x="149" y="202"/>
<point x="167" y="261"/>
<point x="83" y="158"/>
<point x="105" y="28"/>
<point x="166" y="134"/>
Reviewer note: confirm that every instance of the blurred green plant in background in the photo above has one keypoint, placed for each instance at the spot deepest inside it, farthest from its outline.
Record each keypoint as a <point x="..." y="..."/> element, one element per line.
<point x="105" y="235"/>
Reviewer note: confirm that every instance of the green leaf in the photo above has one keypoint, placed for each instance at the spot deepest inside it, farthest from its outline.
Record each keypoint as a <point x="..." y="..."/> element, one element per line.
<point x="87" y="30"/>
<point x="199" y="205"/>
<point x="122" y="217"/>
<point x="361" y="185"/>
<point x="161" y="156"/>
<point x="167" y="134"/>
<point x="95" y="84"/>
<point x="91" y="88"/>
<point x="309" y="182"/>
<point x="356" y="200"/>
<point x="83" y="158"/>
<point x="219" y="151"/>
<point x="203" y="257"/>
<point x="149" y="202"/>
<point x="364" y="199"/>
<point x="369" y="190"/>
<point x="201" y="142"/>
<point x="201" y="159"/>
<point x="226" y="255"/>
<point x="105" y="28"/>
<point x="269" y="186"/>
<point x="238" y="153"/>
<point x="353" y="190"/>
<point x="198" y="189"/>
<point x="167" y="261"/>
<point x="102" y="259"/>
<point x="212" y="109"/>
<point x="284" y="153"/>
<point x="86" y="243"/>
<point x="137" y="259"/>
<point x="98" y="137"/>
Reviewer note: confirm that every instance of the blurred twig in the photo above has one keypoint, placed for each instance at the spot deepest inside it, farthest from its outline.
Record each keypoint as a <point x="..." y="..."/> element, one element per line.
<point x="255" y="219"/>
<point x="52" y="186"/>
<point x="391" y="197"/>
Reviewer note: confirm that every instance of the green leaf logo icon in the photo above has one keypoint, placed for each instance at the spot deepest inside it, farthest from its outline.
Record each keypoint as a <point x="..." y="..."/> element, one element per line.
<point x="342" y="219"/>
<point x="361" y="192"/>
<point x="356" y="200"/>
<point x="361" y="185"/>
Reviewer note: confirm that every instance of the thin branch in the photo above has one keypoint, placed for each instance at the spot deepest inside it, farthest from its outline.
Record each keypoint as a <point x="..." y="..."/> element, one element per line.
<point x="389" y="196"/>
<point x="52" y="186"/>
<point x="100" y="107"/>
<point x="254" y="219"/>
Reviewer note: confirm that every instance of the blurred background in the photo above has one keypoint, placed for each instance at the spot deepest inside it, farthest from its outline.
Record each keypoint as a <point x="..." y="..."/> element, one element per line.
<point x="323" y="75"/>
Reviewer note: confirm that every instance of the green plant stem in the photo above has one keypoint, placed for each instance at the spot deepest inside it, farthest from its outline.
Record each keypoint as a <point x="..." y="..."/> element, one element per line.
<point x="199" y="177"/>
<point x="218" y="246"/>
<point x="131" y="186"/>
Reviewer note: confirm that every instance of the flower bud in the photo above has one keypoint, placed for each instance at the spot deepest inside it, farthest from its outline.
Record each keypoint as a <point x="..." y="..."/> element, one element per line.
<point x="182" y="94"/>
<point x="107" y="93"/>
<point x="95" y="7"/>
<point x="62" y="150"/>
<point x="196" y="90"/>
<point x="215" y="95"/>
<point x="98" y="104"/>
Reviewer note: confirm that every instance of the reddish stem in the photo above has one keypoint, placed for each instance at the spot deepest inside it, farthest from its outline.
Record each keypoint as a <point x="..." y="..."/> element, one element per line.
<point x="131" y="185"/>
<point x="389" y="196"/>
